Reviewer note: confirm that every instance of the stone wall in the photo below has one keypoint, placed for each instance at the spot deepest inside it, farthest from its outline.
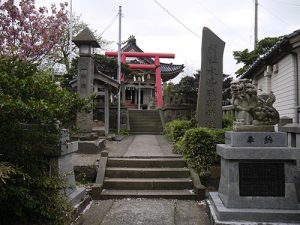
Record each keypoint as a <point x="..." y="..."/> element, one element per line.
<point x="113" y="111"/>
<point x="113" y="118"/>
<point x="184" y="112"/>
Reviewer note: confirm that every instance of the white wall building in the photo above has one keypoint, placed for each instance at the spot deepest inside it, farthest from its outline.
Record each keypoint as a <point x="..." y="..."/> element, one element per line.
<point x="278" y="71"/>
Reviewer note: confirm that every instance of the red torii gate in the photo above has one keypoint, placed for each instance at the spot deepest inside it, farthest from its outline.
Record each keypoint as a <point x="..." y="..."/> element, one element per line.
<point x="155" y="66"/>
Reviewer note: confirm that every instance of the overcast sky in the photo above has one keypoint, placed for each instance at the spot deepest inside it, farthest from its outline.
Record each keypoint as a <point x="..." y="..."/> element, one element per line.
<point x="157" y="31"/>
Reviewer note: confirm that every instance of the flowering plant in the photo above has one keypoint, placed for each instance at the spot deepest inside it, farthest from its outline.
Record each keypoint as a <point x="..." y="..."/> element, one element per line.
<point x="31" y="33"/>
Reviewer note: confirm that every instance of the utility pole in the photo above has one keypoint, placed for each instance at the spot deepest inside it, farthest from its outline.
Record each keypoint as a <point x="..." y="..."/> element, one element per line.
<point x="71" y="35"/>
<point x="119" y="69"/>
<point x="255" y="23"/>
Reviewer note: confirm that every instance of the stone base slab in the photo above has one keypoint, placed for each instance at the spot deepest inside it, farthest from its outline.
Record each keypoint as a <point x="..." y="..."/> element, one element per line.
<point x="253" y="128"/>
<point x="221" y="215"/>
<point x="258" y="153"/>
<point x="69" y="147"/>
<point x="77" y="195"/>
<point x="256" y="139"/>
<point x="91" y="147"/>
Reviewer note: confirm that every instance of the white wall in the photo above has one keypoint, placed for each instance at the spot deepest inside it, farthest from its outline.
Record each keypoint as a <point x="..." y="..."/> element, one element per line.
<point x="283" y="86"/>
<point x="261" y="84"/>
<point x="298" y="53"/>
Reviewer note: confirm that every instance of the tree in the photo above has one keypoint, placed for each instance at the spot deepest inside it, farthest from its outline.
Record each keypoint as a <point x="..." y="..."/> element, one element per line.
<point x="64" y="49"/>
<point x="30" y="33"/>
<point x="226" y="92"/>
<point x="188" y="88"/>
<point x="31" y="108"/>
<point x="247" y="57"/>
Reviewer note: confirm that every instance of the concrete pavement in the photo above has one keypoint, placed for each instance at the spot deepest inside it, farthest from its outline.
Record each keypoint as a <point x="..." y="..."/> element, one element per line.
<point x="141" y="145"/>
<point x="145" y="212"/>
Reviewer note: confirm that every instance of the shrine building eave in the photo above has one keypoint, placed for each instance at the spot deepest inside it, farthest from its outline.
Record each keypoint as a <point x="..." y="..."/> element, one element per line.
<point x="168" y="70"/>
<point x="103" y="78"/>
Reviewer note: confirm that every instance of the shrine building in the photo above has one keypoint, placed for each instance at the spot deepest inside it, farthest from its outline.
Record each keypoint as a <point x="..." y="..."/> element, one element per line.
<point x="139" y="91"/>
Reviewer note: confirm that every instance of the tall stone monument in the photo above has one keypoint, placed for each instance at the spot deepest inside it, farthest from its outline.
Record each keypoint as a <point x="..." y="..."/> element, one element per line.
<point x="209" y="104"/>
<point x="85" y="41"/>
<point x="257" y="181"/>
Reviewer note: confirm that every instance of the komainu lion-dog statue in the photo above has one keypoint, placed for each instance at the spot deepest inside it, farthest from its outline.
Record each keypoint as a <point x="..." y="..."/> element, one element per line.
<point x="245" y="100"/>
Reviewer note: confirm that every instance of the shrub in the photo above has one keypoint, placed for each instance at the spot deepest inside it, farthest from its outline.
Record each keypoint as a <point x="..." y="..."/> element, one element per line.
<point x="227" y="121"/>
<point x="198" y="146"/>
<point x="175" y="129"/>
<point x="124" y="132"/>
<point x="31" y="105"/>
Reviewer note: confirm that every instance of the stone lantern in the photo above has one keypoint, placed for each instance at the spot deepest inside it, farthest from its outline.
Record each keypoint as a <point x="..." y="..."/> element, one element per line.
<point x="86" y="41"/>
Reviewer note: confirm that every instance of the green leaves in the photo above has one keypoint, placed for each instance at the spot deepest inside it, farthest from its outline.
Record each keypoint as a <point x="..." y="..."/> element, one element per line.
<point x="36" y="98"/>
<point x="198" y="146"/>
<point x="32" y="109"/>
<point x="175" y="129"/>
<point x="247" y="57"/>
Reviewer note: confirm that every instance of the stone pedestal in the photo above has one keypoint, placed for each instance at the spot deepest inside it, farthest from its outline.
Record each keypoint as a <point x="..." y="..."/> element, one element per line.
<point x="91" y="147"/>
<point x="293" y="131"/>
<point x="257" y="181"/>
<point x="63" y="164"/>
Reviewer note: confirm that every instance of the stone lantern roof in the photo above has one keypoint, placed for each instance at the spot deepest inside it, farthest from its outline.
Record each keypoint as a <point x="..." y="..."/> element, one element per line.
<point x="86" y="37"/>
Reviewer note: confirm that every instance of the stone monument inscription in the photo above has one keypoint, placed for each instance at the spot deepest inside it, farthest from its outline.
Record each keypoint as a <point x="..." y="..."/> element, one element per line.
<point x="209" y="103"/>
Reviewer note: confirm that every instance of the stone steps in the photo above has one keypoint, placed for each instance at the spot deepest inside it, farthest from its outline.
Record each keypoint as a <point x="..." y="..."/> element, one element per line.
<point x="147" y="177"/>
<point x="146" y="127"/>
<point x="147" y="183"/>
<point x="149" y="132"/>
<point x="145" y="121"/>
<point x="137" y="120"/>
<point x="115" y="172"/>
<point x="166" y="194"/>
<point x="146" y="162"/>
<point x="148" y="124"/>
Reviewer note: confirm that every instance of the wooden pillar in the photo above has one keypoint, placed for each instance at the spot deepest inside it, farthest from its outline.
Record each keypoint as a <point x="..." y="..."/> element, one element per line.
<point x="158" y="83"/>
<point x="139" y="96"/>
<point x="136" y="96"/>
<point x="267" y="75"/>
<point x="106" y="111"/>
<point x="123" y="60"/>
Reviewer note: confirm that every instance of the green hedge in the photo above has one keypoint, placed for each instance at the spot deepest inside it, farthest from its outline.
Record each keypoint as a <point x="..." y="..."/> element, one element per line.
<point x="175" y="129"/>
<point x="198" y="146"/>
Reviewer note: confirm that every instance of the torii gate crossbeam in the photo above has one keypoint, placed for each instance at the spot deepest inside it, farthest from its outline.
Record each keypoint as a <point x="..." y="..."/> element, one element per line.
<point x="155" y="66"/>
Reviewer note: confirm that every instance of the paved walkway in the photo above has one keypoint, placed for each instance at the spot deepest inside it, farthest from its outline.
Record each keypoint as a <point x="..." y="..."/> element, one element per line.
<point x="141" y="145"/>
<point x="144" y="211"/>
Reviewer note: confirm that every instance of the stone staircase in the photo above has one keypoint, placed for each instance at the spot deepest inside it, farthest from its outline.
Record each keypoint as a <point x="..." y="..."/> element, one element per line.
<point x="145" y="122"/>
<point x="147" y="177"/>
